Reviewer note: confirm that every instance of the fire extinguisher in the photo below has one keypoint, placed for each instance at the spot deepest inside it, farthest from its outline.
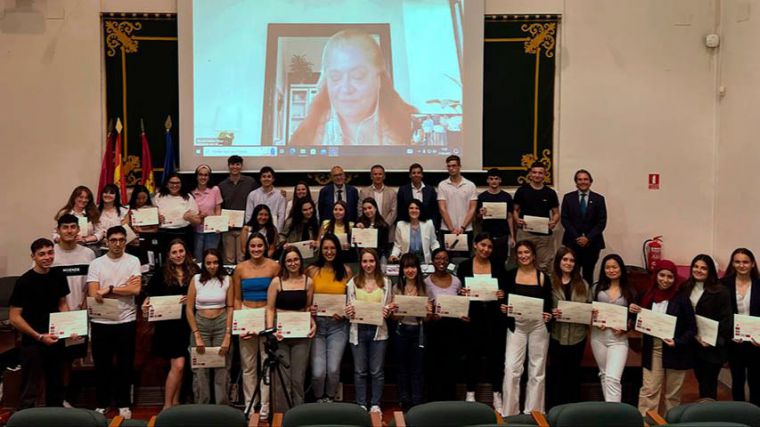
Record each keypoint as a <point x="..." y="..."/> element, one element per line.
<point x="652" y="252"/>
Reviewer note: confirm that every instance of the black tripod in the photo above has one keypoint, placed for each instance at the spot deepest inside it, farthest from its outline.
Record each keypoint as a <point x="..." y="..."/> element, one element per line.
<point x="272" y="362"/>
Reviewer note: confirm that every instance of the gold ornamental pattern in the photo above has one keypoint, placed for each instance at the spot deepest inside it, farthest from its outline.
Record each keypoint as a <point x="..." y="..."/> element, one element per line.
<point x="542" y="36"/>
<point x="119" y="35"/>
<point x="528" y="159"/>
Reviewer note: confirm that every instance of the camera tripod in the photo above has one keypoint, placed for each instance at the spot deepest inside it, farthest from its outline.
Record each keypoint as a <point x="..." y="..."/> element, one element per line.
<point x="271" y="363"/>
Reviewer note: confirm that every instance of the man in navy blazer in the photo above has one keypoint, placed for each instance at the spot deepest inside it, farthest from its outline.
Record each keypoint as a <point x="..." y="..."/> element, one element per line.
<point x="337" y="190"/>
<point x="584" y="217"/>
<point x="413" y="190"/>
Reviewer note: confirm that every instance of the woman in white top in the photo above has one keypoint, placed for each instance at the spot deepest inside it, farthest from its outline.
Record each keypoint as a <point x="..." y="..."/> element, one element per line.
<point x="81" y="204"/>
<point x="177" y="213"/>
<point x="209" y="314"/>
<point x="112" y="213"/>
<point x="416" y="236"/>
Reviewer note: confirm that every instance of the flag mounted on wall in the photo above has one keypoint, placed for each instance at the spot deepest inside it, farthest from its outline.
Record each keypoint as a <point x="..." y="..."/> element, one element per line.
<point x="169" y="167"/>
<point x="106" y="167"/>
<point x="147" y="162"/>
<point x="118" y="162"/>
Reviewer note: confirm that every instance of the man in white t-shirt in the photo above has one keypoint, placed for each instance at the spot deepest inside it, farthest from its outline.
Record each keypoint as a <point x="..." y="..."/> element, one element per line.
<point x="72" y="260"/>
<point x="457" y="199"/>
<point x="115" y="275"/>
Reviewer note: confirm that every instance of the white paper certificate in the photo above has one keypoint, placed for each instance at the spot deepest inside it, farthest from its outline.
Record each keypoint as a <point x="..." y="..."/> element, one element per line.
<point x="525" y="308"/>
<point x="368" y="313"/>
<point x="235" y="217"/>
<point x="574" y="312"/>
<point x="216" y="224"/>
<point x="364" y="237"/>
<point x="482" y="288"/>
<point x="746" y="327"/>
<point x="707" y="330"/>
<point x="165" y="308"/>
<point x="536" y="224"/>
<point x="248" y="320"/>
<point x="65" y="324"/>
<point x="495" y="210"/>
<point x="392" y="270"/>
<point x="456" y="242"/>
<point x="84" y="226"/>
<point x="131" y="235"/>
<point x="294" y="324"/>
<point x="173" y="216"/>
<point x="330" y="304"/>
<point x="305" y="248"/>
<point x="610" y="315"/>
<point x="659" y="325"/>
<point x="452" y="306"/>
<point x="342" y="238"/>
<point x="145" y="216"/>
<point x="209" y="359"/>
<point x="411" y="306"/>
<point x="109" y="309"/>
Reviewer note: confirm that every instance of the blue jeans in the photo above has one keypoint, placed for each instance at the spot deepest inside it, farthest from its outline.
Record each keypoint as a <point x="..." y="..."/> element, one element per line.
<point x="205" y="241"/>
<point x="369" y="360"/>
<point x="326" y="354"/>
<point x="409" y="357"/>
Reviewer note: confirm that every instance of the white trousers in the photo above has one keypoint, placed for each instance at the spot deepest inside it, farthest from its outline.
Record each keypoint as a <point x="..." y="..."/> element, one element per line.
<point x="530" y="336"/>
<point x="611" y="353"/>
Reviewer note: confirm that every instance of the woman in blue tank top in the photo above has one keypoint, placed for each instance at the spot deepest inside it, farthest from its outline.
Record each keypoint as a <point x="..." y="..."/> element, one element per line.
<point x="250" y="282"/>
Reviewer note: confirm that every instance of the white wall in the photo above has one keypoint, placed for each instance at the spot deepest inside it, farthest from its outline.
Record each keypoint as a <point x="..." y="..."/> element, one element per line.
<point x="637" y="94"/>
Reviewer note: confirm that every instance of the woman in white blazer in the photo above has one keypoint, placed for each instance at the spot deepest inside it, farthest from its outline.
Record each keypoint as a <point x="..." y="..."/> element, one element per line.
<point x="416" y="236"/>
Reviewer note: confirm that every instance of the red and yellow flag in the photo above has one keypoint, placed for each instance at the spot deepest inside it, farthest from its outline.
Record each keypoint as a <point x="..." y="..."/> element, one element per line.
<point x="147" y="165"/>
<point x="118" y="165"/>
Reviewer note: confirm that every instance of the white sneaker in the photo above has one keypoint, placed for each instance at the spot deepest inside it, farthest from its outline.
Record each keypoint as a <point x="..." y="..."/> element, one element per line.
<point x="470" y="397"/>
<point x="375" y="408"/>
<point x="264" y="412"/>
<point x="66" y="404"/>
<point x="100" y="410"/>
<point x="125" y="413"/>
<point x="497" y="401"/>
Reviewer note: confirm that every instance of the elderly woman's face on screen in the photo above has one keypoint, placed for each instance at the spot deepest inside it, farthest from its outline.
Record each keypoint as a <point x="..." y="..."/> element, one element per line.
<point x="352" y="82"/>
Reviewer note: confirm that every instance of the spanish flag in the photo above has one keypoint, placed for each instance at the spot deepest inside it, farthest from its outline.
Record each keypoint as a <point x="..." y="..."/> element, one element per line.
<point x="147" y="165"/>
<point x="118" y="166"/>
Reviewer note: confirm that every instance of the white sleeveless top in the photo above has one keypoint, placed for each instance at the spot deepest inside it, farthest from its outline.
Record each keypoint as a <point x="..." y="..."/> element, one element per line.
<point x="212" y="294"/>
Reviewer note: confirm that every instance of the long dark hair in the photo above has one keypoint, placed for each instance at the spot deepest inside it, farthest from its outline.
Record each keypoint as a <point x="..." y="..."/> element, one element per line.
<point x="284" y="273"/>
<point x="410" y="260"/>
<point x="308" y="191"/>
<point x="187" y="267"/>
<point x="297" y="218"/>
<point x="136" y="190"/>
<point x="164" y="190"/>
<point x="252" y="236"/>
<point x="271" y="230"/>
<point x="220" y="272"/>
<point x="604" y="282"/>
<point x="712" y="274"/>
<point x="331" y="223"/>
<point x="111" y="188"/>
<point x="417" y="203"/>
<point x="576" y="281"/>
<point x="731" y="271"/>
<point x="91" y="210"/>
<point x="378" y="220"/>
<point x="338" y="264"/>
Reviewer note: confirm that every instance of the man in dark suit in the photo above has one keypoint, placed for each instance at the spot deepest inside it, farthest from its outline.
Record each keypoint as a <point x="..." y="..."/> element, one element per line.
<point x="584" y="217"/>
<point x="338" y="190"/>
<point x="417" y="190"/>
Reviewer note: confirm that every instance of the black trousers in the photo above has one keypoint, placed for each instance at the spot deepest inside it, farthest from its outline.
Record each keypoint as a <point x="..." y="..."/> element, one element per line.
<point x="707" y="376"/>
<point x="442" y="358"/>
<point x="41" y="363"/>
<point x="586" y="258"/>
<point x="485" y="338"/>
<point x="564" y="372"/>
<point x="113" y="351"/>
<point x="743" y="359"/>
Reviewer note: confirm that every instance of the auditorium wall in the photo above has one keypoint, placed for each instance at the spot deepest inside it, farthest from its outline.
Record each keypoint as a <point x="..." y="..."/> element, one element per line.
<point x="637" y="94"/>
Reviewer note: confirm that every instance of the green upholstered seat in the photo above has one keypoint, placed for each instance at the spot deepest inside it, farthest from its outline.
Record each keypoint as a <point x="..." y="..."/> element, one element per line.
<point x="335" y="414"/>
<point x="57" y="417"/>
<point x="726" y="411"/>
<point x="705" y="424"/>
<point x="584" y="414"/>
<point x="453" y="413"/>
<point x="197" y="415"/>
<point x="520" y="419"/>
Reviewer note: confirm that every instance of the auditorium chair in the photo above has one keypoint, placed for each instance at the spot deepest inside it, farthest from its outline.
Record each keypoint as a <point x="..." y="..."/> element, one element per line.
<point x="199" y="415"/>
<point x="710" y="412"/>
<point x="447" y="414"/>
<point x="339" y="414"/>
<point x="56" y="417"/>
<point x="583" y="414"/>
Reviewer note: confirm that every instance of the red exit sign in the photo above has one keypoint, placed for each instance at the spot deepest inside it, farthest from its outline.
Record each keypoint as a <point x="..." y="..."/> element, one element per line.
<point x="654" y="181"/>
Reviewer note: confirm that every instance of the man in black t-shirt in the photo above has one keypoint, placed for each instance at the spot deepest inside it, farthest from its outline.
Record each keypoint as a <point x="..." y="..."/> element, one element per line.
<point x="500" y="229"/>
<point x="37" y="293"/>
<point x="537" y="200"/>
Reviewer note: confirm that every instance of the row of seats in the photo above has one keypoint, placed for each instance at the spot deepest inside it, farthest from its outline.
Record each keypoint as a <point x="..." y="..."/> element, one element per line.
<point x="442" y="414"/>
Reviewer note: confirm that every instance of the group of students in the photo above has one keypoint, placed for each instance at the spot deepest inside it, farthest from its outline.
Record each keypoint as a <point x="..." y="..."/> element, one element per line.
<point x="432" y="352"/>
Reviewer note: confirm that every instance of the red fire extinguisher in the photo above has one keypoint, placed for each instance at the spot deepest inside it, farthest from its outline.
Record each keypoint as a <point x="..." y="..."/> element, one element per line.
<point x="652" y="252"/>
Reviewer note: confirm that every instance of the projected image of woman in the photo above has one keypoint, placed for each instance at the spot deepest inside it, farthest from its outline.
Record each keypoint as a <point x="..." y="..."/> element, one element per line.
<point x="356" y="103"/>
